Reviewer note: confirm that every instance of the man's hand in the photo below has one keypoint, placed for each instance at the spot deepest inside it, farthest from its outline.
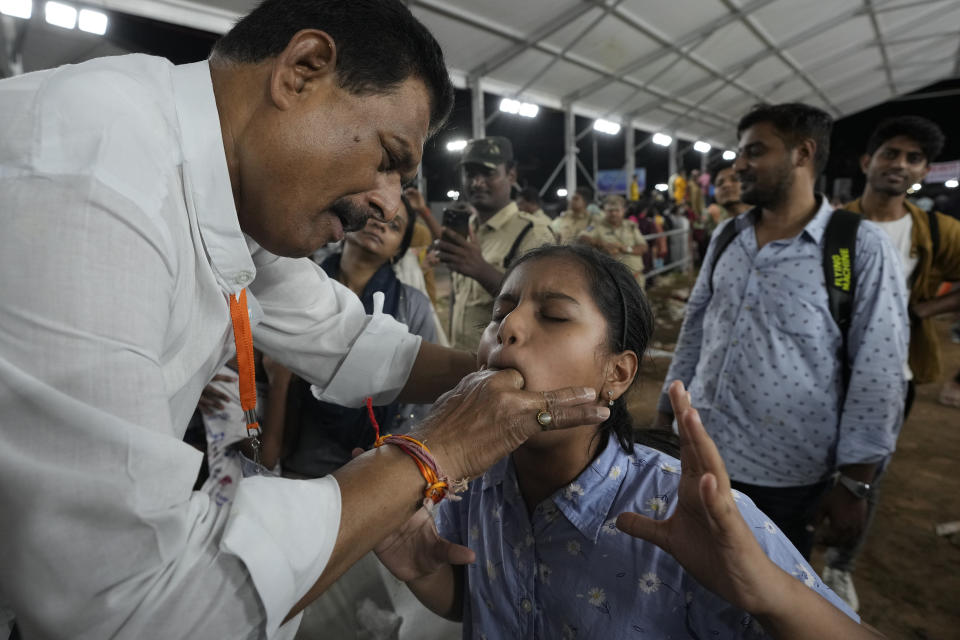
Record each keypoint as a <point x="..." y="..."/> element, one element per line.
<point x="211" y="399"/>
<point x="416" y="549"/>
<point x="841" y="517"/>
<point x="464" y="256"/>
<point x="489" y="414"/>
<point x="706" y="533"/>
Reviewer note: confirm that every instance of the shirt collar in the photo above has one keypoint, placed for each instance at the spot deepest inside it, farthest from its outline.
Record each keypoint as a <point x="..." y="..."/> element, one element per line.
<point x="503" y="216"/>
<point x="586" y="502"/>
<point x="206" y="179"/>
<point x="814" y="229"/>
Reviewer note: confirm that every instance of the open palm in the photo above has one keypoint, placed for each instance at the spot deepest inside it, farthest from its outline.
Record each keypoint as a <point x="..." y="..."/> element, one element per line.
<point x="706" y="533"/>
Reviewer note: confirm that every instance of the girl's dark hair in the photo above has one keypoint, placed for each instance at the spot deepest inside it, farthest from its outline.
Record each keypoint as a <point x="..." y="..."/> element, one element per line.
<point x="625" y="308"/>
<point x="408" y="232"/>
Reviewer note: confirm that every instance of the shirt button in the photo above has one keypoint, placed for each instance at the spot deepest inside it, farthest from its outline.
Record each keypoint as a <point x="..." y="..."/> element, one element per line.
<point x="526" y="606"/>
<point x="243" y="278"/>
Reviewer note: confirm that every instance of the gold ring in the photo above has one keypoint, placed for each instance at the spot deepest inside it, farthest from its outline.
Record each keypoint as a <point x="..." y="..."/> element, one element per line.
<point x="545" y="419"/>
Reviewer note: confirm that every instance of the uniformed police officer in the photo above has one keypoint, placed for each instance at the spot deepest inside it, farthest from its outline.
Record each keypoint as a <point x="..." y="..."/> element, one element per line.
<point x="618" y="237"/>
<point x="499" y="232"/>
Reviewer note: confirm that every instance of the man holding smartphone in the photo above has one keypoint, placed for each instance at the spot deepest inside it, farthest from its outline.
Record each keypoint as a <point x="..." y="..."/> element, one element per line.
<point x="497" y="233"/>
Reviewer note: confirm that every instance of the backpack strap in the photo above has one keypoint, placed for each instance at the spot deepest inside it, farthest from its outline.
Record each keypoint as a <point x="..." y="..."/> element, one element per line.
<point x="516" y="246"/>
<point x="839" y="254"/>
<point x="723" y="241"/>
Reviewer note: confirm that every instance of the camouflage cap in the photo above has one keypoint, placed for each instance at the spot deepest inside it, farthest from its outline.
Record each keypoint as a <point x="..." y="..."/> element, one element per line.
<point x="489" y="152"/>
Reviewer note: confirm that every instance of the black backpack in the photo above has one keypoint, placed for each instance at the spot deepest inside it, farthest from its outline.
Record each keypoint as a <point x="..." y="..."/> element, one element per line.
<point x="839" y="248"/>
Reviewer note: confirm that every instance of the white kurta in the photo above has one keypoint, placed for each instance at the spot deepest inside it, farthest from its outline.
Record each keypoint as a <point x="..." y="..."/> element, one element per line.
<point x="120" y="243"/>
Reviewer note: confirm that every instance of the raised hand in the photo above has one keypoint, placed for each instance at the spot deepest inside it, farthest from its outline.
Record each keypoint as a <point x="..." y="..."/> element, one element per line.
<point x="706" y="533"/>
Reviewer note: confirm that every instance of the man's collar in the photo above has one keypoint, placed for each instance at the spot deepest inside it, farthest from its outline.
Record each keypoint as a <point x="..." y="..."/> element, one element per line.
<point x="206" y="179"/>
<point x="503" y="216"/>
<point x="813" y="229"/>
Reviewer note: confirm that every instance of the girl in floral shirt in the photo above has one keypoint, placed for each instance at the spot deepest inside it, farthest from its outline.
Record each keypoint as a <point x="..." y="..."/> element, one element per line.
<point x="538" y="548"/>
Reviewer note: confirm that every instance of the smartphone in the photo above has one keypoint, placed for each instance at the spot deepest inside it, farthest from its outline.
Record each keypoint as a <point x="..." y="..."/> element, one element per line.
<point x="457" y="219"/>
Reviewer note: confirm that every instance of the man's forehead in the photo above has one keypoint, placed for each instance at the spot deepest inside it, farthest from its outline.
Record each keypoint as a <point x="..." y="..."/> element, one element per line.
<point x="901" y="143"/>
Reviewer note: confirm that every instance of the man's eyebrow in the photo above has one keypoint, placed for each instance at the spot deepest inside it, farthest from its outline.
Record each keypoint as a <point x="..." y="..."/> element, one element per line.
<point x="402" y="154"/>
<point x="751" y="146"/>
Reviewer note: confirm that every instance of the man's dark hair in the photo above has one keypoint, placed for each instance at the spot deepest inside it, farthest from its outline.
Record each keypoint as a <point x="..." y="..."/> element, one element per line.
<point x="531" y="195"/>
<point x="795" y="122"/>
<point x="586" y="193"/>
<point x="717" y="167"/>
<point x="379" y="44"/>
<point x="922" y="131"/>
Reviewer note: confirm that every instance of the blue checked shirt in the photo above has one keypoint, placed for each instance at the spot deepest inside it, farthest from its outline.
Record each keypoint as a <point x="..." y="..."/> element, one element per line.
<point x="567" y="572"/>
<point x="760" y="356"/>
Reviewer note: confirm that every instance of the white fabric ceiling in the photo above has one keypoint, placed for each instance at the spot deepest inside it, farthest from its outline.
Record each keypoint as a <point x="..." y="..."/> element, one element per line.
<point x="684" y="66"/>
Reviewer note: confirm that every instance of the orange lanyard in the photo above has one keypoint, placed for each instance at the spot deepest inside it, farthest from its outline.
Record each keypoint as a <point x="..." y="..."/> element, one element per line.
<point x="243" y="338"/>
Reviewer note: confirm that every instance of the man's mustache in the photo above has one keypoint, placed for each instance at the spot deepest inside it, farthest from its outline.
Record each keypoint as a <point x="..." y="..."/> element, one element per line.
<point x="352" y="216"/>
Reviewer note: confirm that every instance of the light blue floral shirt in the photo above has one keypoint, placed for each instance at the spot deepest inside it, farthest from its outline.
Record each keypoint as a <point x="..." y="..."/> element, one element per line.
<point x="567" y="572"/>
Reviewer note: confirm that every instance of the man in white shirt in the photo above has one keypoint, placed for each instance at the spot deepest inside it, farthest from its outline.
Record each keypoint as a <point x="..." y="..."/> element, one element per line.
<point x="136" y="196"/>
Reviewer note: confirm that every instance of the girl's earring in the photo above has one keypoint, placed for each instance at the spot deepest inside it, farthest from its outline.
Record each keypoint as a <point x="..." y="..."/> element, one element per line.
<point x="610" y="396"/>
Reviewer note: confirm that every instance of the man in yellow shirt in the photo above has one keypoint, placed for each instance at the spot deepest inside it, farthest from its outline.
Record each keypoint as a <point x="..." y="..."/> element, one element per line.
<point x="569" y="224"/>
<point x="499" y="234"/>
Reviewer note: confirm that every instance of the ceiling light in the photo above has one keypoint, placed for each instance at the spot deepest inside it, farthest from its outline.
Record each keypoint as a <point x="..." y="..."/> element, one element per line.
<point x="60" y="15"/>
<point x="662" y="139"/>
<point x="917" y="186"/>
<point x="701" y="146"/>
<point x="456" y="145"/>
<point x="92" y="22"/>
<point x="729" y="155"/>
<point x="607" y="127"/>
<point x="661" y="187"/>
<point x="452" y="194"/>
<point x="17" y="8"/>
<point x="561" y="193"/>
<point x="951" y="184"/>
<point x="525" y="109"/>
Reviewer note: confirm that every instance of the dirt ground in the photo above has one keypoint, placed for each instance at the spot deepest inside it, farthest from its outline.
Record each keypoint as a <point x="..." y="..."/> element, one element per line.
<point x="907" y="578"/>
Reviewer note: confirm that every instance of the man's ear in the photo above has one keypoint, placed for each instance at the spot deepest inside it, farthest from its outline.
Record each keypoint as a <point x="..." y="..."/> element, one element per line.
<point x="806" y="152"/>
<point x="623" y="369"/>
<point x="512" y="174"/>
<point x="309" y="59"/>
<point x="865" y="163"/>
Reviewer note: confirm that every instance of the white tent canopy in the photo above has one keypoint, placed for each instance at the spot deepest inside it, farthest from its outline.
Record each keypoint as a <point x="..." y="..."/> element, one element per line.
<point x="685" y="67"/>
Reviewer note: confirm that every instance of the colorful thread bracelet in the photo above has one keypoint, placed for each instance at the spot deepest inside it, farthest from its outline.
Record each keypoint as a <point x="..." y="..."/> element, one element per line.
<point x="437" y="483"/>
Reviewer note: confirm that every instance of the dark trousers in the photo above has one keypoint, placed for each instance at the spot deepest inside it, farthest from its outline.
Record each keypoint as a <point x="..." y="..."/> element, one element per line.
<point x="790" y="508"/>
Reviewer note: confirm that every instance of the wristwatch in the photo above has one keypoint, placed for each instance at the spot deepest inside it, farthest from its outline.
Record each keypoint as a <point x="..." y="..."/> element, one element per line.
<point x="860" y="489"/>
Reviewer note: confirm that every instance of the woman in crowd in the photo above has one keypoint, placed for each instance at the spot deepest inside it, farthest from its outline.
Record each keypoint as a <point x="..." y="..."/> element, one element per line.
<point x="555" y="548"/>
<point x="313" y="438"/>
<point x="618" y="237"/>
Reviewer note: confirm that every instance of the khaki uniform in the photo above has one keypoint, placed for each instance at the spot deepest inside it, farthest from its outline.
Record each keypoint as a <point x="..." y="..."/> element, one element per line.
<point x="568" y="228"/>
<point x="473" y="306"/>
<point x="628" y="235"/>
